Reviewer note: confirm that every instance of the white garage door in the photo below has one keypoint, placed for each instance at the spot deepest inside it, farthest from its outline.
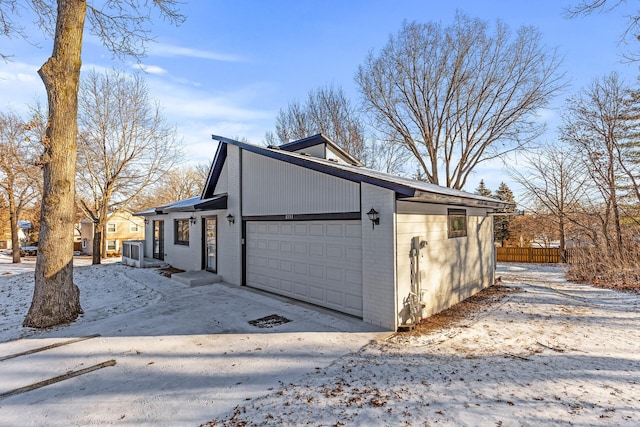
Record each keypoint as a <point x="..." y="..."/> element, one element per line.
<point x="315" y="261"/>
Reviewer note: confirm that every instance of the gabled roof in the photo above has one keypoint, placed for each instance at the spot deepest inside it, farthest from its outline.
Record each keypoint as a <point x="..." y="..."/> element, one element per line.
<point x="319" y="139"/>
<point x="405" y="188"/>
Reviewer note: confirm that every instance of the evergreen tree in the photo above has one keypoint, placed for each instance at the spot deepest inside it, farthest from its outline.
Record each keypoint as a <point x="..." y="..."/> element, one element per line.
<point x="501" y="223"/>
<point x="482" y="190"/>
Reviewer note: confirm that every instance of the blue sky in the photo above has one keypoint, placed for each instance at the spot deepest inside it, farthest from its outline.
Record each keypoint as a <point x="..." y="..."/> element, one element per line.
<point x="233" y="64"/>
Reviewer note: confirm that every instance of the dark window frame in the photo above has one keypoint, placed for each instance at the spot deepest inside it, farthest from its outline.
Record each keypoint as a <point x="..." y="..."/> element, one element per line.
<point x="457" y="223"/>
<point x="181" y="231"/>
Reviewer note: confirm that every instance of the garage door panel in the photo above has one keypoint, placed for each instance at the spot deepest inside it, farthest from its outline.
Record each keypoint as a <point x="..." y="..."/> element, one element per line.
<point x="300" y="289"/>
<point x="316" y="249"/>
<point x="334" y="274"/>
<point x="314" y="261"/>
<point x="353" y="302"/>
<point x="316" y="294"/>
<point x="316" y="230"/>
<point x="286" y="286"/>
<point x="334" y="251"/>
<point x="316" y="271"/>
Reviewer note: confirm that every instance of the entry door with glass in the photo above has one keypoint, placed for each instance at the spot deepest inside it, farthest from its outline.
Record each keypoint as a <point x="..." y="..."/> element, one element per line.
<point x="158" y="240"/>
<point x="210" y="244"/>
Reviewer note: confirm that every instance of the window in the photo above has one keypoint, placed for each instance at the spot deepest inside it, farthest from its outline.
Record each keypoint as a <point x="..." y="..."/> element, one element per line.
<point x="457" y="222"/>
<point x="111" y="227"/>
<point x="112" y="245"/>
<point x="181" y="231"/>
<point x="133" y="227"/>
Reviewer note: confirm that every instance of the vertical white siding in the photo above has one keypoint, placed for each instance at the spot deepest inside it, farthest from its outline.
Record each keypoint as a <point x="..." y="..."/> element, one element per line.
<point x="230" y="235"/>
<point x="454" y="268"/>
<point x="222" y="184"/>
<point x="378" y="261"/>
<point x="273" y="187"/>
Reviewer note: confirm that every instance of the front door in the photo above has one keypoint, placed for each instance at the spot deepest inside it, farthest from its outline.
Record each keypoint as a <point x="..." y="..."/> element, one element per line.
<point x="158" y="240"/>
<point x="210" y="243"/>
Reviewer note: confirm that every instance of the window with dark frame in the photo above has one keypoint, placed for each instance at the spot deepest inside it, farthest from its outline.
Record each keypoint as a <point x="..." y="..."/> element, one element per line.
<point x="181" y="231"/>
<point x="457" y="220"/>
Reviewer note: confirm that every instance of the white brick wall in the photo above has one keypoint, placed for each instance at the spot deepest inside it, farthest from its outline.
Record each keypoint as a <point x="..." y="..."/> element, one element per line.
<point x="455" y="268"/>
<point x="378" y="258"/>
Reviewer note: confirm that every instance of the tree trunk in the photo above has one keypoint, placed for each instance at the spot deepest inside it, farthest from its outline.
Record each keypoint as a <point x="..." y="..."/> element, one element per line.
<point x="563" y="240"/>
<point x="97" y="244"/>
<point x="13" y="221"/>
<point x="56" y="299"/>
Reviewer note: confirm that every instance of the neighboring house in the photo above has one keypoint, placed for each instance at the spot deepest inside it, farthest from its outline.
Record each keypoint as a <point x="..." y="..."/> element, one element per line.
<point x="307" y="221"/>
<point x="24" y="231"/>
<point x="120" y="227"/>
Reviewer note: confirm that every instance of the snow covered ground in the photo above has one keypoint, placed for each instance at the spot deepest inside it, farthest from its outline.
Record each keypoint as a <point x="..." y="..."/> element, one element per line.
<point x="183" y="355"/>
<point x="544" y="352"/>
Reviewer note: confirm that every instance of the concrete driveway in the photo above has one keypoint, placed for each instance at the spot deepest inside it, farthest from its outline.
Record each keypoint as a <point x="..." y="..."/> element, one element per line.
<point x="182" y="355"/>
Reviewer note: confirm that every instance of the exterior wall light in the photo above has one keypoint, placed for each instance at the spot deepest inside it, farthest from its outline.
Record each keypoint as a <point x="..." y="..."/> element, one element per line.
<point x="231" y="219"/>
<point x="146" y="221"/>
<point x="192" y="220"/>
<point x="374" y="217"/>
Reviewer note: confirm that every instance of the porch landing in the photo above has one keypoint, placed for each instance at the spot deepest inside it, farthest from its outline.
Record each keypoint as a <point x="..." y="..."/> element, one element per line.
<point x="196" y="278"/>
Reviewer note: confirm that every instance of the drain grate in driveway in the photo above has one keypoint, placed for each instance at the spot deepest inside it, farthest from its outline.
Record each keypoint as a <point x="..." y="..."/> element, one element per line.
<point x="269" y="321"/>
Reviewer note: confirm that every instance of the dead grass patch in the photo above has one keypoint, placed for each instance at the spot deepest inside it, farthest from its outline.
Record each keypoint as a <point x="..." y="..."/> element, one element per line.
<point x="168" y="271"/>
<point x="469" y="308"/>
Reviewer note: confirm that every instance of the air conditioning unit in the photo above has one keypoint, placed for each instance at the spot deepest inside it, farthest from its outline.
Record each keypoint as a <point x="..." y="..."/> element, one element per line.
<point x="133" y="253"/>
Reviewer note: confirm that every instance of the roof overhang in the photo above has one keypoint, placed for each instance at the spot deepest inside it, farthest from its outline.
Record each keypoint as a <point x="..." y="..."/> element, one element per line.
<point x="194" y="204"/>
<point x="447" y="199"/>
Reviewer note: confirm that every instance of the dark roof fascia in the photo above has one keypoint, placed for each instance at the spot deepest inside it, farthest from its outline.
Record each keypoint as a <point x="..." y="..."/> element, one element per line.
<point x="317" y="139"/>
<point x="443" y="199"/>
<point x="303" y="143"/>
<point x="319" y="167"/>
<point x="217" y="202"/>
<point x="215" y="171"/>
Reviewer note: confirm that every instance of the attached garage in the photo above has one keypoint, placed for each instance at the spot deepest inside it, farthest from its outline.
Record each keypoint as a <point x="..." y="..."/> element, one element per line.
<point x="307" y="221"/>
<point x="314" y="261"/>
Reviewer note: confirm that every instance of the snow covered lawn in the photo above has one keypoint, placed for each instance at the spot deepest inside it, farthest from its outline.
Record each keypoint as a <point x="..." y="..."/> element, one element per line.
<point x="183" y="355"/>
<point x="547" y="353"/>
<point x="535" y="351"/>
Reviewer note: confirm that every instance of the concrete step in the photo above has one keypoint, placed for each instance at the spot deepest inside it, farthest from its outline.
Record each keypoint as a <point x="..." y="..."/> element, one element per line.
<point x="196" y="278"/>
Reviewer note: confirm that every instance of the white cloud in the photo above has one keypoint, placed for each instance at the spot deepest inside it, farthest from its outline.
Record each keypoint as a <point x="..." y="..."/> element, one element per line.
<point x="151" y="69"/>
<point x="167" y="50"/>
<point x="20" y="86"/>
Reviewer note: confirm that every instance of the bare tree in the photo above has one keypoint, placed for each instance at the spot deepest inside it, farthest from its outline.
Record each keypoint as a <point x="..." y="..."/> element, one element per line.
<point x="461" y="94"/>
<point x="554" y="183"/>
<point x="179" y="183"/>
<point x="596" y="123"/>
<point x="329" y="111"/>
<point x="326" y="110"/>
<point x="124" y="145"/>
<point x="121" y="25"/>
<point x="630" y="32"/>
<point x="19" y="176"/>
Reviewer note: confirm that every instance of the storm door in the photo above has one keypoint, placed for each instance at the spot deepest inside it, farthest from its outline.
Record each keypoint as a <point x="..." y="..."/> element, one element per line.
<point x="158" y="240"/>
<point x="210" y="243"/>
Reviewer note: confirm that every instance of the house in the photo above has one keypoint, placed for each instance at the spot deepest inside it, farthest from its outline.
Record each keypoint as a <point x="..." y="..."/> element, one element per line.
<point x="25" y="234"/>
<point x="120" y="227"/>
<point x="307" y="221"/>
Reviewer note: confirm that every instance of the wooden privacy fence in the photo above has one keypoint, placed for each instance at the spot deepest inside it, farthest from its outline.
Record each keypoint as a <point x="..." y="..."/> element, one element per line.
<point x="532" y="255"/>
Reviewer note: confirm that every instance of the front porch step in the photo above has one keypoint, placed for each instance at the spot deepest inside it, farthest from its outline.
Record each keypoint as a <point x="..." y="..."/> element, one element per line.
<point x="153" y="263"/>
<point x="196" y="278"/>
